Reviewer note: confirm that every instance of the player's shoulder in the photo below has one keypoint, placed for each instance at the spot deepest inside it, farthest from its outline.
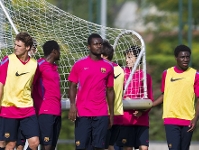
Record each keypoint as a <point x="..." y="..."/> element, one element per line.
<point x="5" y="60"/>
<point x="86" y="58"/>
<point x="41" y="61"/>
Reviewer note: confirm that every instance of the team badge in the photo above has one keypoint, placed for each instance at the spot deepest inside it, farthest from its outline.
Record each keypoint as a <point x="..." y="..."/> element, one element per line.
<point x="46" y="139"/>
<point x="124" y="141"/>
<point x="77" y="143"/>
<point x="103" y="70"/>
<point x="7" y="135"/>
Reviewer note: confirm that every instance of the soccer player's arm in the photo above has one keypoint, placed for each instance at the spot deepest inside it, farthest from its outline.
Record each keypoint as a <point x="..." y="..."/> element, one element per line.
<point x="196" y="90"/>
<point x="3" y="74"/>
<point x="110" y="96"/>
<point x="159" y="100"/>
<point x="149" y="92"/>
<point x="73" y="78"/>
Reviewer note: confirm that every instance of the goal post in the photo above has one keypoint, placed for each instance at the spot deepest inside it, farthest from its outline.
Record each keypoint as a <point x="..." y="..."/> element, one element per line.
<point x="45" y="21"/>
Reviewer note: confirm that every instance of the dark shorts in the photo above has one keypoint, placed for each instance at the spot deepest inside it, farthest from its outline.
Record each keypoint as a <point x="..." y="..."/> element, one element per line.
<point x="21" y="139"/>
<point x="133" y="136"/>
<point x="1" y="129"/>
<point x="112" y="135"/>
<point x="50" y="126"/>
<point x="177" y="137"/>
<point x="28" y="126"/>
<point x="91" y="130"/>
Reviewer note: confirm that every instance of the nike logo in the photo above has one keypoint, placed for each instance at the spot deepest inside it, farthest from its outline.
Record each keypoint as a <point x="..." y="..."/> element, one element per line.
<point x="175" y="79"/>
<point x="17" y="74"/>
<point x="115" y="77"/>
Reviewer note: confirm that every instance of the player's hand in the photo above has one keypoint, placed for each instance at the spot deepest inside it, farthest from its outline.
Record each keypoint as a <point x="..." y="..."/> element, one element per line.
<point x="192" y="124"/>
<point x="72" y="112"/>
<point x="137" y="113"/>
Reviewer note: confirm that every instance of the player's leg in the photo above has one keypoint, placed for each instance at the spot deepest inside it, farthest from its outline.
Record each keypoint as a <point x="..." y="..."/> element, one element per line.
<point x="142" y="137"/>
<point x="82" y="132"/>
<point x="114" y="133"/>
<point x="57" y="128"/>
<point x="2" y="142"/>
<point x="108" y="136"/>
<point x="50" y="126"/>
<point x="30" y="129"/>
<point x="185" y="138"/>
<point x="10" y="132"/>
<point x="173" y="135"/>
<point x="126" y="137"/>
<point x="99" y="131"/>
<point x="20" y="140"/>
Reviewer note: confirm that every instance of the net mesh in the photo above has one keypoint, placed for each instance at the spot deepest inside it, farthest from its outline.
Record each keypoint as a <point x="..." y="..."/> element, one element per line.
<point x="45" y="21"/>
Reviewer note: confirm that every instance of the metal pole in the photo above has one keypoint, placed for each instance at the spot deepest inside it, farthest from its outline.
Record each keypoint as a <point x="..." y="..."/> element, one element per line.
<point x="8" y="17"/>
<point x="90" y="13"/>
<point x="190" y="26"/>
<point x="180" y="22"/>
<point x="103" y="17"/>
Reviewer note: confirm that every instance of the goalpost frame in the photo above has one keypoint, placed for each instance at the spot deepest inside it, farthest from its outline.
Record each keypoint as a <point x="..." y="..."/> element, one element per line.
<point x="142" y="56"/>
<point x="8" y="17"/>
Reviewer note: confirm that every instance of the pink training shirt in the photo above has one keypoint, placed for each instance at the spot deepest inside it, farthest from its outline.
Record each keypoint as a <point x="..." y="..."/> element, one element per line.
<point x="92" y="78"/>
<point x="12" y="111"/>
<point x="46" y="92"/>
<point x="176" y="121"/>
<point x="135" y="91"/>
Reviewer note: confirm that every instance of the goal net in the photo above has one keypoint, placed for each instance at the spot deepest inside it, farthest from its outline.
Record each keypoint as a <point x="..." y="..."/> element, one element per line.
<point x="45" y="21"/>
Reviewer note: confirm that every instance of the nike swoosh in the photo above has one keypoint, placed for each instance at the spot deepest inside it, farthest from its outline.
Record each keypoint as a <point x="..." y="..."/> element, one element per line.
<point x="175" y="79"/>
<point x="17" y="74"/>
<point x="115" y="77"/>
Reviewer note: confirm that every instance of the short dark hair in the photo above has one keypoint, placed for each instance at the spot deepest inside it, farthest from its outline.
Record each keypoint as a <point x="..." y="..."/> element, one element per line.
<point x="135" y="50"/>
<point x="93" y="35"/>
<point x="181" y="48"/>
<point x="107" y="50"/>
<point x="25" y="38"/>
<point x="49" y="46"/>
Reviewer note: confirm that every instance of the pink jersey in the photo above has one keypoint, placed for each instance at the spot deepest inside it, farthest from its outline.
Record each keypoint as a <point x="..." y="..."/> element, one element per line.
<point x="46" y="92"/>
<point x="177" y="121"/>
<point x="135" y="91"/>
<point x="92" y="78"/>
<point x="12" y="111"/>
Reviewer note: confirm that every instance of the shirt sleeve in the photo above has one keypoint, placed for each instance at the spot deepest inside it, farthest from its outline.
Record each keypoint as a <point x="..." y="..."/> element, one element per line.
<point x="73" y="76"/>
<point x="149" y="87"/>
<point x="110" y="81"/>
<point x="37" y="74"/>
<point x="3" y="69"/>
<point x="196" y="85"/>
<point x="163" y="80"/>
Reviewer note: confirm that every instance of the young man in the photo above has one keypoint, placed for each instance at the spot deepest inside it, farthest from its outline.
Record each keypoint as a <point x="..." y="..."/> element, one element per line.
<point x="112" y="134"/>
<point x="91" y="92"/>
<point x="134" y="129"/>
<point x="16" y="79"/>
<point x="21" y="138"/>
<point x="180" y="84"/>
<point x="47" y="96"/>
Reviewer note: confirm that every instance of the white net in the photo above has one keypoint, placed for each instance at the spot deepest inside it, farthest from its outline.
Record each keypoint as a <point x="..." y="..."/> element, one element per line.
<point x="45" y="21"/>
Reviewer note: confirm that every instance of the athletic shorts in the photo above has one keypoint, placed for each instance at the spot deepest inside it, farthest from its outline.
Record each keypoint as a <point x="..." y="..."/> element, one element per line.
<point x="91" y="130"/>
<point x="21" y="139"/>
<point x="133" y="136"/>
<point x="50" y="126"/>
<point x="112" y="135"/>
<point x="1" y="129"/>
<point x="177" y="137"/>
<point x="28" y="126"/>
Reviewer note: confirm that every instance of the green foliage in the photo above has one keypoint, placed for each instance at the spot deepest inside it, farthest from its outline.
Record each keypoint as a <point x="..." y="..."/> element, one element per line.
<point x="159" y="50"/>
